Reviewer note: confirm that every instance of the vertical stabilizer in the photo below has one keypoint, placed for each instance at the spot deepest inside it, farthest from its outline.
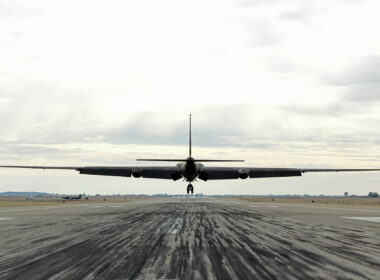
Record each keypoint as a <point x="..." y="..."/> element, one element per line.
<point x="190" y="137"/>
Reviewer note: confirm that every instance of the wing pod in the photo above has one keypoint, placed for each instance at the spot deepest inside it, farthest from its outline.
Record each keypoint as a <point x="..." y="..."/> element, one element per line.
<point x="243" y="173"/>
<point x="136" y="172"/>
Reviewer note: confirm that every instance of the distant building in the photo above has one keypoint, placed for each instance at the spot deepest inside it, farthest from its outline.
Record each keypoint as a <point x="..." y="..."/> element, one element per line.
<point x="345" y="194"/>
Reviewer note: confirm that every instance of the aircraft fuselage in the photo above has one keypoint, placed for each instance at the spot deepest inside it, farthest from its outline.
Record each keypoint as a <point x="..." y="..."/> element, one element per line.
<point x="190" y="169"/>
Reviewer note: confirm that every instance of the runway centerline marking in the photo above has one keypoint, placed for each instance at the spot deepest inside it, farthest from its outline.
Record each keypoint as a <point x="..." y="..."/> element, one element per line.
<point x="368" y="219"/>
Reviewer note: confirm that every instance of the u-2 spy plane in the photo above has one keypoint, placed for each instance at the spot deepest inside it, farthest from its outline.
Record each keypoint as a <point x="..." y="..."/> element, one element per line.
<point x="190" y="169"/>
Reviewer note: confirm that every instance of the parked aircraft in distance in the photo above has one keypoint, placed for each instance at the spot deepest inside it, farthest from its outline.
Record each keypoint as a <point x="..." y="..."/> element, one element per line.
<point x="72" y="197"/>
<point x="189" y="169"/>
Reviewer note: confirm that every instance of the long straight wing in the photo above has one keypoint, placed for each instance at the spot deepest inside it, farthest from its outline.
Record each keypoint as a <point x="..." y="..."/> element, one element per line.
<point x="220" y="173"/>
<point x="173" y="173"/>
<point x="338" y="170"/>
<point x="40" y="167"/>
<point x="158" y="172"/>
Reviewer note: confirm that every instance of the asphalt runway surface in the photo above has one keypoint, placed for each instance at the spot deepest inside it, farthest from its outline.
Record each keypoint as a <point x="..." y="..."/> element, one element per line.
<point x="190" y="238"/>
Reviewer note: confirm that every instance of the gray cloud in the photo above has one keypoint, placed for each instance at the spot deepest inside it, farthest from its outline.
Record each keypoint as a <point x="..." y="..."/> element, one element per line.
<point x="336" y="109"/>
<point x="287" y="66"/>
<point x="14" y="9"/>
<point x="303" y="13"/>
<point x="251" y="3"/>
<point x="361" y="80"/>
<point x="29" y="108"/>
<point x="241" y="125"/>
<point x="16" y="12"/>
<point x="31" y="122"/>
<point x="365" y="93"/>
<point x="13" y="151"/>
<point x="264" y="34"/>
<point x="41" y="112"/>
<point x="208" y="127"/>
<point x="245" y="126"/>
<point x="60" y="122"/>
<point x="363" y="71"/>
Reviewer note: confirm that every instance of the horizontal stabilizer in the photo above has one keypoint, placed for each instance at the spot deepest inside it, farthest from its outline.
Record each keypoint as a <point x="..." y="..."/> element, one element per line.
<point x="195" y="160"/>
<point x="219" y="160"/>
<point x="155" y="159"/>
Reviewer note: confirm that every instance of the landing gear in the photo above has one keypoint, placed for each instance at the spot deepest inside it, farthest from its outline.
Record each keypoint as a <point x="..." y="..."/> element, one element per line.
<point x="190" y="188"/>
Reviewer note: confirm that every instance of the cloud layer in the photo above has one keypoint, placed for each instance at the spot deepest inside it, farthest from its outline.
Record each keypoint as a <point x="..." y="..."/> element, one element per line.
<point x="285" y="84"/>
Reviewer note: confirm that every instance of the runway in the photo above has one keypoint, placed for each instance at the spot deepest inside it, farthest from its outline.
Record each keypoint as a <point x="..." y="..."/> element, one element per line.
<point x="190" y="238"/>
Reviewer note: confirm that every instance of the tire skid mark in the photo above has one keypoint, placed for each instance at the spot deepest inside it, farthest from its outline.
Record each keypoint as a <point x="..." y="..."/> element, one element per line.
<point x="103" y="239"/>
<point x="199" y="241"/>
<point x="302" y="257"/>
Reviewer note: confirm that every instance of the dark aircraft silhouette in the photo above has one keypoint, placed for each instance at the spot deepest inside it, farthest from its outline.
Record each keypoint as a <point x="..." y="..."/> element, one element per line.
<point x="190" y="169"/>
<point x="72" y="197"/>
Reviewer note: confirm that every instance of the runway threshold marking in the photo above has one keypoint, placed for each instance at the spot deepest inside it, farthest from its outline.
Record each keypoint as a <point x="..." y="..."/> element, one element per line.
<point x="368" y="219"/>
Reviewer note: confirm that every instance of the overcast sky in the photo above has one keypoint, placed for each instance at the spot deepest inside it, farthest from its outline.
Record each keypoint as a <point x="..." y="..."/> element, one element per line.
<point x="278" y="83"/>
